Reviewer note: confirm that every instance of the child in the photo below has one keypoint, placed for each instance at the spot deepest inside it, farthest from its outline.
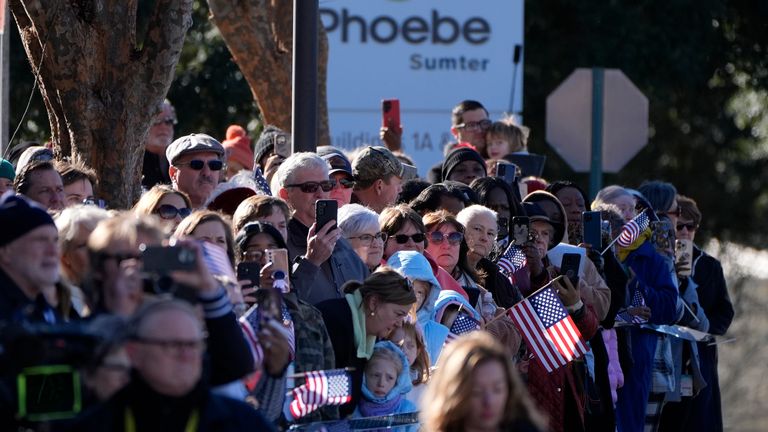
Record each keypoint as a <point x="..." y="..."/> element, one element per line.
<point x="410" y="340"/>
<point x="386" y="381"/>
<point x="505" y="137"/>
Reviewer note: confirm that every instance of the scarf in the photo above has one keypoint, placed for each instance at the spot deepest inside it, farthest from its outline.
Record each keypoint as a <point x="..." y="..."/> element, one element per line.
<point x="624" y="252"/>
<point x="363" y="341"/>
<point x="371" y="409"/>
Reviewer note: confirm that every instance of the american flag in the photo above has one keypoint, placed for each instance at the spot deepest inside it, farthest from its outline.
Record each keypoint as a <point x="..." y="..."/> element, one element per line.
<point x="261" y="181"/>
<point x="548" y="329"/>
<point x="324" y="387"/>
<point x="217" y="261"/>
<point x="637" y="301"/>
<point x="513" y="260"/>
<point x="464" y="324"/>
<point x="632" y="229"/>
<point x="250" y="323"/>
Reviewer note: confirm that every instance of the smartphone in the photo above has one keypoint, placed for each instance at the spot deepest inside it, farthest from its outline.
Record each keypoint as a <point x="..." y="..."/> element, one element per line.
<point x="521" y="227"/>
<point x="683" y="257"/>
<point x="249" y="270"/>
<point x="279" y="260"/>
<point x="325" y="211"/>
<point x="282" y="145"/>
<point x="390" y="114"/>
<point x="591" y="222"/>
<point x="569" y="267"/>
<point x="269" y="301"/>
<point x="506" y="171"/>
<point x="164" y="259"/>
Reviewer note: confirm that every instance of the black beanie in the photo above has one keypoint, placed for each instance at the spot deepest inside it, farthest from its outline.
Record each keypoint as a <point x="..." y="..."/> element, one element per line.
<point x="459" y="155"/>
<point x="18" y="217"/>
<point x="266" y="142"/>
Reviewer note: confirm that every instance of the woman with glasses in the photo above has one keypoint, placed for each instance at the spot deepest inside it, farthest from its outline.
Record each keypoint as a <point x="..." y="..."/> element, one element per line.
<point x="360" y="226"/>
<point x="405" y="231"/>
<point x="162" y="200"/>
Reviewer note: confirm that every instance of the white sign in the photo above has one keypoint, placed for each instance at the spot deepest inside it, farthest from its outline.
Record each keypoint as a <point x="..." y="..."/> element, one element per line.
<point x="429" y="54"/>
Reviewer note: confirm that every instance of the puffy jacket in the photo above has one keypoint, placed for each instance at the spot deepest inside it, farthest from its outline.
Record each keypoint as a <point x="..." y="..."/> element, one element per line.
<point x="371" y="405"/>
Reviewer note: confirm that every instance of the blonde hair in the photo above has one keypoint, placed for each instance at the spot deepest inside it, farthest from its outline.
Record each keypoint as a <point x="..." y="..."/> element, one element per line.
<point x="148" y="203"/>
<point x="385" y="284"/>
<point x="516" y="135"/>
<point x="384" y="354"/>
<point x="422" y="361"/>
<point x="450" y="388"/>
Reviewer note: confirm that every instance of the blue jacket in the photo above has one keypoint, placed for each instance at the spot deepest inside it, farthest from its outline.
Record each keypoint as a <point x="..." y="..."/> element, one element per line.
<point x="402" y="387"/>
<point x="447" y="298"/>
<point x="656" y="281"/>
<point x="415" y="266"/>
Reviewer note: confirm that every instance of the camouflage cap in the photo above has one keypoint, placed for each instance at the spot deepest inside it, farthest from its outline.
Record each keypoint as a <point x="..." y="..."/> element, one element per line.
<point x="374" y="163"/>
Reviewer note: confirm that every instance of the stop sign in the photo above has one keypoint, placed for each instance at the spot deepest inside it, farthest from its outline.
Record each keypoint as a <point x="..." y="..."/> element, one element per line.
<point x="624" y="119"/>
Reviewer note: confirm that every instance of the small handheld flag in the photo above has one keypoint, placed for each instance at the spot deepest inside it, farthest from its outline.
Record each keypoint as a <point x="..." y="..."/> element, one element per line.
<point x="324" y="387"/>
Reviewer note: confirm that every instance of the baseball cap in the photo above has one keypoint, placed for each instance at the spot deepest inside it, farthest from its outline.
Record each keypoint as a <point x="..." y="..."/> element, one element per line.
<point x="193" y="143"/>
<point x="374" y="163"/>
<point x="336" y="159"/>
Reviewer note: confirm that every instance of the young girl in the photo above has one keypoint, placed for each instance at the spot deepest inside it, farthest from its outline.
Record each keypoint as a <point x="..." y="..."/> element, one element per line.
<point x="386" y="381"/>
<point x="505" y="137"/>
<point x="410" y="340"/>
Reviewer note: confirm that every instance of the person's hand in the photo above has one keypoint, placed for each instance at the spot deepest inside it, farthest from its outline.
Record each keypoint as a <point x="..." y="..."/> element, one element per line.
<point x="640" y="311"/>
<point x="199" y="278"/>
<point x="534" y="258"/>
<point x="320" y="244"/>
<point x="568" y="293"/>
<point x="271" y="165"/>
<point x="392" y="137"/>
<point x="277" y="352"/>
<point x="594" y="256"/>
<point x="125" y="295"/>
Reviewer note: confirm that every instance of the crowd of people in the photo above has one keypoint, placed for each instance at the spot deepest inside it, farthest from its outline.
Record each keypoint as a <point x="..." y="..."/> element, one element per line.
<point x="403" y="295"/>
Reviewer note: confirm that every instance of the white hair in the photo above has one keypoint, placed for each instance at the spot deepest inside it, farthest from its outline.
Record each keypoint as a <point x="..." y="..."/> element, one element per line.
<point x="71" y="219"/>
<point x="355" y="219"/>
<point x="473" y="211"/>
<point x="297" y="162"/>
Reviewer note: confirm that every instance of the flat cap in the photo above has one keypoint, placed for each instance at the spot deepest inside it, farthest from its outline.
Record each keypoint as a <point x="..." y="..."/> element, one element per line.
<point x="193" y="143"/>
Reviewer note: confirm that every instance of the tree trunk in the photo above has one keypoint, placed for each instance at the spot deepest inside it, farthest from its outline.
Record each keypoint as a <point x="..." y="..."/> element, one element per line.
<point x="105" y="67"/>
<point x="259" y="35"/>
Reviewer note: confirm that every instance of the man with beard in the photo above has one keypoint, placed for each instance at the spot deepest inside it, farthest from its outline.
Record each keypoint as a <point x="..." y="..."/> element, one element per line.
<point x="196" y="161"/>
<point x="155" y="168"/>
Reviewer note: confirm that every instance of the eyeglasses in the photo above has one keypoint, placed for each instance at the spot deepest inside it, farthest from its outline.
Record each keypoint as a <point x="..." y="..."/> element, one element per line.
<point x="688" y="226"/>
<point x="454" y="238"/>
<point x="346" y="183"/>
<point x="197" y="164"/>
<point x="167" y="211"/>
<point x="253" y="254"/>
<point x="403" y="238"/>
<point x="368" y="238"/>
<point x="311" y="187"/>
<point x="475" y="126"/>
<point x="174" y="344"/>
<point x="168" y="121"/>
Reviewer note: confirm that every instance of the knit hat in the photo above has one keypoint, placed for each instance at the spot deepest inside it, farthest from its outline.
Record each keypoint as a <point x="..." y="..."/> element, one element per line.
<point x="459" y="155"/>
<point x="19" y="216"/>
<point x="193" y="143"/>
<point x="266" y="141"/>
<point x="238" y="146"/>
<point x="374" y="163"/>
<point x="6" y="170"/>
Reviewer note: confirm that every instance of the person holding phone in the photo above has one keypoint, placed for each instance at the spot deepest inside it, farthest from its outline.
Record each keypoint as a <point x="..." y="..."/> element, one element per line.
<point x="323" y="261"/>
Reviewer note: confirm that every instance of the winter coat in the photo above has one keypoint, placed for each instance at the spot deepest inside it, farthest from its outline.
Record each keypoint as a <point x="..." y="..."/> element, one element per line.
<point x="314" y="284"/>
<point x="415" y="266"/>
<point x="402" y="387"/>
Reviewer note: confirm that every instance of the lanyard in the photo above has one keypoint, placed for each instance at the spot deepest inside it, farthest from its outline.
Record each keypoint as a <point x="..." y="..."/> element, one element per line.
<point x="130" y="421"/>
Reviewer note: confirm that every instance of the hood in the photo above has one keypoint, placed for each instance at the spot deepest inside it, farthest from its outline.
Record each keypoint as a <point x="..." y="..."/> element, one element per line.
<point x="540" y="195"/>
<point x="403" y="384"/>
<point x="415" y="266"/>
<point x="447" y="298"/>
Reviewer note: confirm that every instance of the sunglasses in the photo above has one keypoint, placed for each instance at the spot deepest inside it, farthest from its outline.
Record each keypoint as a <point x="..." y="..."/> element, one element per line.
<point x="167" y="211"/>
<point x="311" y="187"/>
<point x="197" y="164"/>
<point x="346" y="183"/>
<point x="453" y="238"/>
<point x="403" y="238"/>
<point x="688" y="226"/>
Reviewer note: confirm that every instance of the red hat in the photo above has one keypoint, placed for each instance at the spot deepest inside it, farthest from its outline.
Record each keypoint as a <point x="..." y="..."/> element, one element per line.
<point x="238" y="146"/>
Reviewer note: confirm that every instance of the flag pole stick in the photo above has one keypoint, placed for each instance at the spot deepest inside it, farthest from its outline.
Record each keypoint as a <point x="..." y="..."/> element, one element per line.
<point x="609" y="245"/>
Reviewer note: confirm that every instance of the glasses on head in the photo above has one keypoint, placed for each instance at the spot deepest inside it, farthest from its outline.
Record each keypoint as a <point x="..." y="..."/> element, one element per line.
<point x="454" y="238"/>
<point x="475" y="126"/>
<point x="167" y="211"/>
<point x="688" y="226"/>
<point x="403" y="238"/>
<point x="174" y="344"/>
<point x="197" y="164"/>
<point x="168" y="121"/>
<point x="368" y="238"/>
<point x="311" y="187"/>
<point x="253" y="254"/>
<point x="345" y="183"/>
